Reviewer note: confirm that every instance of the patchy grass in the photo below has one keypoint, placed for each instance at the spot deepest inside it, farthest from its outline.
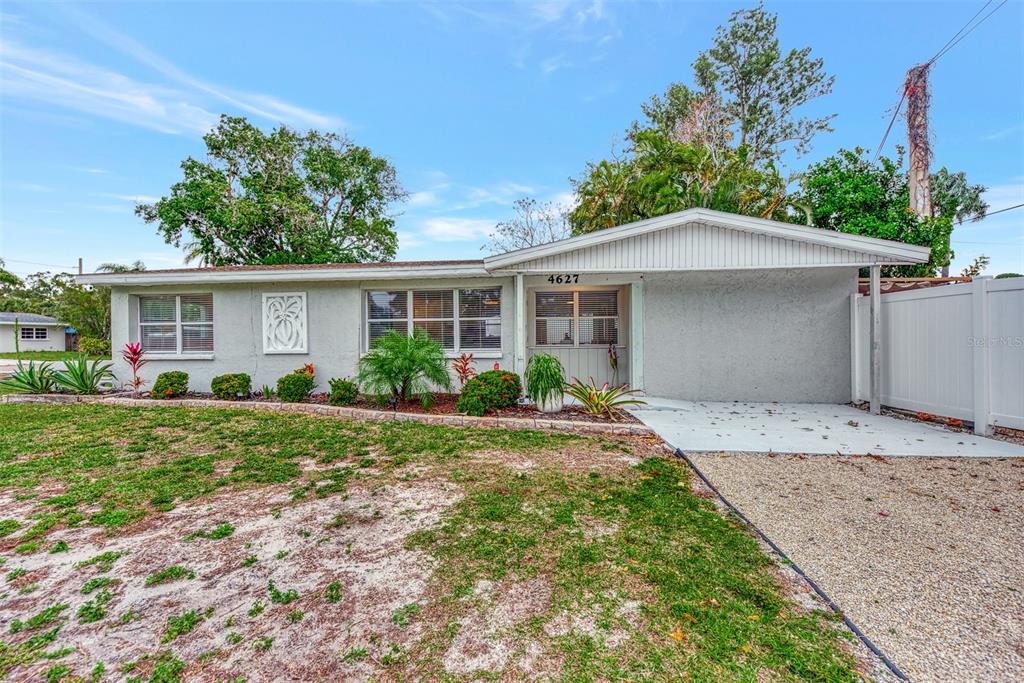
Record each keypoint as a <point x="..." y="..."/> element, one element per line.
<point x="46" y="356"/>
<point x="455" y="554"/>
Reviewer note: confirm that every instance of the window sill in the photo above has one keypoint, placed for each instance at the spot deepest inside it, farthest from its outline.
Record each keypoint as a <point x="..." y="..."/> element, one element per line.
<point x="476" y="354"/>
<point x="179" y="356"/>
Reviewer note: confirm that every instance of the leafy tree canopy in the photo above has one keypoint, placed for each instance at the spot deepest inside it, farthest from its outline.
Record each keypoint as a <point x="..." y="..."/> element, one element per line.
<point x="280" y="197"/>
<point x="851" y="193"/>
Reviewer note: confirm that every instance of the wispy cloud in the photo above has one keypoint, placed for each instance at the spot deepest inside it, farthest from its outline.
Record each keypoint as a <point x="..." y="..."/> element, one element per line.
<point x="29" y="187"/>
<point x="1006" y="132"/>
<point x="133" y="198"/>
<point x="452" y="229"/>
<point x="423" y="198"/>
<point x="257" y="104"/>
<point x="62" y="80"/>
<point x="175" y="102"/>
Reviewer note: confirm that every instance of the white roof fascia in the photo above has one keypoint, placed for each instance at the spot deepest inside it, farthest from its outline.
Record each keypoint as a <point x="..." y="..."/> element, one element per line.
<point x="212" y="276"/>
<point x="905" y="253"/>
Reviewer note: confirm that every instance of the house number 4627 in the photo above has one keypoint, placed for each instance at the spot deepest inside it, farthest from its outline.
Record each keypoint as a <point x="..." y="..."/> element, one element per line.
<point x="565" y="279"/>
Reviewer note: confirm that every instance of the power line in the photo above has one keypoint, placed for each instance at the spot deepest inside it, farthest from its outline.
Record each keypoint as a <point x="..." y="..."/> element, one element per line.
<point x="950" y="44"/>
<point x="33" y="263"/>
<point x="992" y="213"/>
<point x="944" y="50"/>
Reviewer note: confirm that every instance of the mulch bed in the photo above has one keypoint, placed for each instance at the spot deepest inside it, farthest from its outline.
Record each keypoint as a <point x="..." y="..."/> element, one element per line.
<point x="444" y="404"/>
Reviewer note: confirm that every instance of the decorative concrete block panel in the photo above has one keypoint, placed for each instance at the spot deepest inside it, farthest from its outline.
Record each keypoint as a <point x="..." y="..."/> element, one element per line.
<point x="285" y="329"/>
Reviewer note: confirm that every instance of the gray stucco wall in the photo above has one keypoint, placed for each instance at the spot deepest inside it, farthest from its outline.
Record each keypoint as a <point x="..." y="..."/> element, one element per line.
<point x="335" y="321"/>
<point x="749" y="335"/>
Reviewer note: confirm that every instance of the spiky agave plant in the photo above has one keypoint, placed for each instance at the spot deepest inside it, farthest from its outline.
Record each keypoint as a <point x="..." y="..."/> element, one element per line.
<point x="604" y="400"/>
<point x="82" y="376"/>
<point x="29" y="379"/>
<point x="404" y="366"/>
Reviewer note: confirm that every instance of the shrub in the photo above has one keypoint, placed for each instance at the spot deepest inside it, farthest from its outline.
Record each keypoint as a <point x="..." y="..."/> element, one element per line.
<point x="30" y="379"/>
<point x="545" y="377"/>
<point x="604" y="400"/>
<point x="170" y="384"/>
<point x="489" y="391"/>
<point x="343" y="392"/>
<point x="82" y="376"/>
<point x="94" y="346"/>
<point x="404" y="366"/>
<point x="295" y="387"/>
<point x="231" y="386"/>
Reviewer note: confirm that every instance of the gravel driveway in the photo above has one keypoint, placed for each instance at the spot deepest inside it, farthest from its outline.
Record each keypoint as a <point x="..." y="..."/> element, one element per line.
<point x="926" y="555"/>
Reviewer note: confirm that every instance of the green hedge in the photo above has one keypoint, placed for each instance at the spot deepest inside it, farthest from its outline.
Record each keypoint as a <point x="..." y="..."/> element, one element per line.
<point x="490" y="391"/>
<point x="231" y="386"/>
<point x="343" y="392"/>
<point x="170" y="384"/>
<point x="295" y="387"/>
<point x="94" y="346"/>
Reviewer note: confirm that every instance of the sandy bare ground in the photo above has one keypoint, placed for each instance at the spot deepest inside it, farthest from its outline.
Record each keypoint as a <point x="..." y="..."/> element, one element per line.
<point x="926" y="555"/>
<point x="356" y="539"/>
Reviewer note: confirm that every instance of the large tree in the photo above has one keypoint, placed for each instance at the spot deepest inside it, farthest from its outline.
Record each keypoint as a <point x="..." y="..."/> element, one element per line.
<point x="718" y="144"/>
<point x="761" y="87"/>
<point x="280" y="197"/>
<point x="852" y="193"/>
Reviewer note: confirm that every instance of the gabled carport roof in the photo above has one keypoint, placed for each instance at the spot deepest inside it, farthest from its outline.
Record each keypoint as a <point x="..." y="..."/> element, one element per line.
<point x="886" y="251"/>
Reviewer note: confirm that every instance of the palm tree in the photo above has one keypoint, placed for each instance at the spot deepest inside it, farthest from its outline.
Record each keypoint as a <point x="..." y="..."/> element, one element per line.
<point x="136" y="267"/>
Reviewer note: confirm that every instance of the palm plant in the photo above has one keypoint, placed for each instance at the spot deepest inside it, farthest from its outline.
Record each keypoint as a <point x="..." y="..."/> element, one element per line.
<point x="29" y="379"/>
<point x="604" y="400"/>
<point x="82" y="376"/>
<point x="404" y="366"/>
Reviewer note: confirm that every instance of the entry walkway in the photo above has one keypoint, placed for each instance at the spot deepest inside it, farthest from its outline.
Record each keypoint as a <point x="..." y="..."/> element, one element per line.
<point x="807" y="428"/>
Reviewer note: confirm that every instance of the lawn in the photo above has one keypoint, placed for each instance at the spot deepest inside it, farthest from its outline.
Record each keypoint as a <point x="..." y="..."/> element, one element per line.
<point x="173" y="544"/>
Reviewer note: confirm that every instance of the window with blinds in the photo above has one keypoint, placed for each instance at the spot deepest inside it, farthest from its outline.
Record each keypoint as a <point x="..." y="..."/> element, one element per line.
<point x="176" y="323"/>
<point x="576" y="318"/>
<point x="458" y="319"/>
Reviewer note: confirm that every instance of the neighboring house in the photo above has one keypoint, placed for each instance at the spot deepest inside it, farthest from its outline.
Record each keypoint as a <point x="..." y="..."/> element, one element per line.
<point x="36" y="332"/>
<point x="697" y="305"/>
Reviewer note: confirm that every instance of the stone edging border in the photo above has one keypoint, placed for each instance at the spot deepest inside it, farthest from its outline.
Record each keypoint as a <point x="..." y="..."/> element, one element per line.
<point x="361" y="414"/>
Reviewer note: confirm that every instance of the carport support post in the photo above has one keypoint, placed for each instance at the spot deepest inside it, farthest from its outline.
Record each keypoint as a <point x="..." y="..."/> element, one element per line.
<point x="980" y="349"/>
<point x="876" y="339"/>
<point x="519" y="335"/>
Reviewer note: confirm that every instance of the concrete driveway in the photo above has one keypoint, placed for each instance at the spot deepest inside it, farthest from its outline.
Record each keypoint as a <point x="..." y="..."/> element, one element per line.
<point x="807" y="428"/>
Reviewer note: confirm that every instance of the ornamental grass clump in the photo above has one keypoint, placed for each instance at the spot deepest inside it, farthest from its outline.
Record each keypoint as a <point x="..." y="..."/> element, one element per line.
<point x="490" y="392"/>
<point x="545" y="380"/>
<point x="404" y="366"/>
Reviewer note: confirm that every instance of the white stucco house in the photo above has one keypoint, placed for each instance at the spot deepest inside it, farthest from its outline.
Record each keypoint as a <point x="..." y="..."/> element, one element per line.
<point x="35" y="332"/>
<point x="697" y="305"/>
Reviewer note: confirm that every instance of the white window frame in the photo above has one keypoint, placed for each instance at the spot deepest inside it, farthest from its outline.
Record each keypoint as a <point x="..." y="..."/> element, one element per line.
<point x="409" y="319"/>
<point x="35" y="333"/>
<point x="177" y="326"/>
<point x="576" y="318"/>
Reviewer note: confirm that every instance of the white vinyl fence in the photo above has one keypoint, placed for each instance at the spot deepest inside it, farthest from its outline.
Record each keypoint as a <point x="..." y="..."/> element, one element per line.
<point x="951" y="350"/>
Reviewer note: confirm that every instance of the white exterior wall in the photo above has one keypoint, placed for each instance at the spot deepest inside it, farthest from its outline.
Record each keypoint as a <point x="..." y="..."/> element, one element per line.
<point x="752" y="335"/>
<point x="335" y="317"/>
<point x="955" y="351"/>
<point x="54" y="339"/>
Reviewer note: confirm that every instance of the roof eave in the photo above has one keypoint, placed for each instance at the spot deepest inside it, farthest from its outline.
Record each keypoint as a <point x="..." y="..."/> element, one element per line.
<point x="211" y="276"/>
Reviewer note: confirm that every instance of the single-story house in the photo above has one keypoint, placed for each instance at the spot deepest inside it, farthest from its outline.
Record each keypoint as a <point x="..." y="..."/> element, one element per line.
<point x="35" y="332"/>
<point x="697" y="304"/>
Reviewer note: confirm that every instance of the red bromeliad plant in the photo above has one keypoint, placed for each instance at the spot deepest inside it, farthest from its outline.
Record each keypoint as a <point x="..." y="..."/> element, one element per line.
<point x="135" y="357"/>
<point x="463" y="367"/>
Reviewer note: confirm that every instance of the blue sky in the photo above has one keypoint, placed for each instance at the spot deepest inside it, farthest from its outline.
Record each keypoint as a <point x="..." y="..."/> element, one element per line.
<point x="476" y="104"/>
